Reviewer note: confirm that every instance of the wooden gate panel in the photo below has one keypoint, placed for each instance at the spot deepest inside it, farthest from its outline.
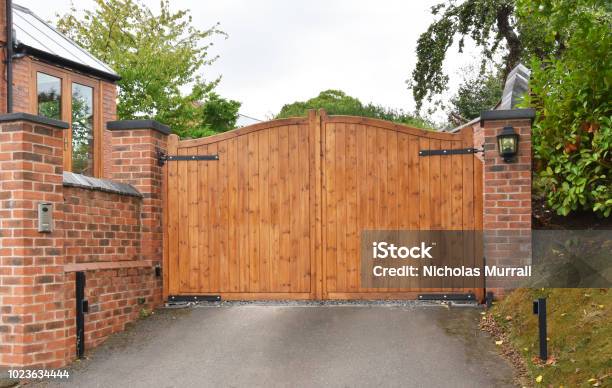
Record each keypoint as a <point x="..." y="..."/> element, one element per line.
<point x="374" y="178"/>
<point x="240" y="226"/>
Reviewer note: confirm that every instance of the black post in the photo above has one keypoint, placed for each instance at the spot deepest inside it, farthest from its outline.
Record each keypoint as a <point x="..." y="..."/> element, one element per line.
<point x="80" y="313"/>
<point x="542" y="329"/>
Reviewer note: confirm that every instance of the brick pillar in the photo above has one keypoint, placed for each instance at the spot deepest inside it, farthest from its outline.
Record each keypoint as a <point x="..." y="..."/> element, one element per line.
<point x="35" y="318"/>
<point x="135" y="145"/>
<point x="507" y="195"/>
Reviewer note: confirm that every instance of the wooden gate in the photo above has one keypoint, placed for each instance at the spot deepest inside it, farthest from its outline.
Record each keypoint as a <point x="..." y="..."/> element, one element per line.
<point x="279" y="214"/>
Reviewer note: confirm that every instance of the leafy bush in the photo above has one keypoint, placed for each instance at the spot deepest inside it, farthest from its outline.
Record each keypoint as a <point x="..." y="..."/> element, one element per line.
<point x="572" y="135"/>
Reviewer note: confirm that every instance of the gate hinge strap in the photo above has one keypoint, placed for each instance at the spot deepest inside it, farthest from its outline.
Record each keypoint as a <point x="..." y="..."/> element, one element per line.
<point x="163" y="157"/>
<point x="460" y="151"/>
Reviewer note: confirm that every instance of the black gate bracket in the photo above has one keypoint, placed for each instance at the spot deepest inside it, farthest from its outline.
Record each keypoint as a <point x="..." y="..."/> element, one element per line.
<point x="193" y="298"/>
<point x="162" y="157"/>
<point x="458" y="297"/>
<point x="461" y="151"/>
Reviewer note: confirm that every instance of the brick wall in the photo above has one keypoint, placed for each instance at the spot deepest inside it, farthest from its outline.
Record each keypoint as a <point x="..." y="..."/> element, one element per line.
<point x="35" y="319"/>
<point x="134" y="161"/>
<point x="109" y="113"/>
<point x="507" y="195"/>
<point x="100" y="227"/>
<point x="114" y="238"/>
<point x="21" y="85"/>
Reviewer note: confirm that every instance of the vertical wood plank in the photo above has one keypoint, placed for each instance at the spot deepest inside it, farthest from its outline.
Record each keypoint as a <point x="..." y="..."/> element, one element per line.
<point x="294" y="205"/>
<point x="212" y="169"/>
<point x="253" y="185"/>
<point x="274" y="200"/>
<point x="393" y="214"/>
<point x="243" y="155"/>
<point x="204" y="224"/>
<point x="222" y="231"/>
<point x="303" y="200"/>
<point x="264" y="208"/>
<point x="339" y="181"/>
<point x="233" y="236"/>
<point x="330" y="211"/>
<point x="285" y="206"/>
<point x="352" y="235"/>
<point x="381" y="156"/>
<point x="314" y="123"/>
<point x="362" y="193"/>
<point x="371" y="183"/>
<point x="183" y="231"/>
<point x="424" y="189"/>
<point x="457" y="188"/>
<point x="173" y="219"/>
<point x="192" y="216"/>
<point x="414" y="167"/>
<point x="435" y="185"/>
<point x="445" y="188"/>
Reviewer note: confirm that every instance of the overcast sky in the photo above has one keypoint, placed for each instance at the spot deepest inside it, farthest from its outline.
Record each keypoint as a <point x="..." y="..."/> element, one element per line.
<point x="280" y="51"/>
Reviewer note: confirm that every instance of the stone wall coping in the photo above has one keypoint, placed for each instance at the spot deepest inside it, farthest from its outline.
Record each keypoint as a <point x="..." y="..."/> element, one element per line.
<point x="21" y="116"/>
<point x="126" y="125"/>
<point x="106" y="185"/>
<point x="507" y="114"/>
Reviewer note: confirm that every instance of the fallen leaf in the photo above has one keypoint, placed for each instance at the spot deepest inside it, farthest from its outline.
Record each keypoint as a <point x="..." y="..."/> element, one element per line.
<point x="539" y="379"/>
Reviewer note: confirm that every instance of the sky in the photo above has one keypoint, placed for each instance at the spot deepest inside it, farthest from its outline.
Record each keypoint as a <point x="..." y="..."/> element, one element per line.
<point x="278" y="52"/>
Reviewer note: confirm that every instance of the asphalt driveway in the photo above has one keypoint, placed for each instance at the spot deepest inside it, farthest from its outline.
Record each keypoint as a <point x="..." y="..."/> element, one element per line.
<point x="299" y="346"/>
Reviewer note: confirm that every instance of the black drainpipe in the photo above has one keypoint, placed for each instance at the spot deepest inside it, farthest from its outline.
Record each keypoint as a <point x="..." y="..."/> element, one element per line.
<point x="9" y="56"/>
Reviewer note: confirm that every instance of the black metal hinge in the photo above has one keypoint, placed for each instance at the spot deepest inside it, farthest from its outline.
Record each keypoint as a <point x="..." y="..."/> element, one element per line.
<point x="163" y="157"/>
<point x="461" y="151"/>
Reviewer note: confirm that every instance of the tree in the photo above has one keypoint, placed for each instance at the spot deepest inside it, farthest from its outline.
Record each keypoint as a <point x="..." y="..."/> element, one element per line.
<point x="491" y="24"/>
<point x="218" y="115"/>
<point x="157" y="56"/>
<point x="337" y="102"/>
<point x="477" y="92"/>
<point x="572" y="135"/>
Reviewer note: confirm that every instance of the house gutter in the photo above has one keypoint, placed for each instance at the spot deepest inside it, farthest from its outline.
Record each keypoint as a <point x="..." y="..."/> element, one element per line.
<point x="9" y="56"/>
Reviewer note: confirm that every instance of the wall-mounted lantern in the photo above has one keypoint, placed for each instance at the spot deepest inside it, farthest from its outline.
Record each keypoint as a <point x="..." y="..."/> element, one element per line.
<point x="507" y="142"/>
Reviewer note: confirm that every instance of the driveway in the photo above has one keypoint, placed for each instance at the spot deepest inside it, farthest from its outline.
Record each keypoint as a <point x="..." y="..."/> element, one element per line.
<point x="250" y="345"/>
